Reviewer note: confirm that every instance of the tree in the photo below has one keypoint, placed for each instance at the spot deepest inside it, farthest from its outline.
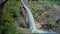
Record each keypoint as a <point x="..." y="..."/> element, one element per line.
<point x="9" y="8"/>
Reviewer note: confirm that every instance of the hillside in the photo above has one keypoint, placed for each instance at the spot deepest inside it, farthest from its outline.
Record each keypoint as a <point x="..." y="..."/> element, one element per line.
<point x="16" y="18"/>
<point x="46" y="15"/>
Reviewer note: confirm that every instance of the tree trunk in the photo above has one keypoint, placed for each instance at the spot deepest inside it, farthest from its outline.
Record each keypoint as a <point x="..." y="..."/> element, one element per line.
<point x="2" y="2"/>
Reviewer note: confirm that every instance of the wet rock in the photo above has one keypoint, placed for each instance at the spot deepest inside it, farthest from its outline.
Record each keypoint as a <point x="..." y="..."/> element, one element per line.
<point x="38" y="25"/>
<point x="21" y="22"/>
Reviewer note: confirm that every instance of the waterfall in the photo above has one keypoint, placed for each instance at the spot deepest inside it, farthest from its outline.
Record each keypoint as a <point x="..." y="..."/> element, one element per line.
<point x="31" y="22"/>
<point x="30" y="18"/>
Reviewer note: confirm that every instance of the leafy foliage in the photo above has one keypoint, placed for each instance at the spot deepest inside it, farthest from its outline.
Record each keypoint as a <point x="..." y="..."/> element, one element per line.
<point x="10" y="12"/>
<point x="45" y="10"/>
<point x="54" y="1"/>
<point x="47" y="14"/>
<point x="12" y="7"/>
<point x="53" y="23"/>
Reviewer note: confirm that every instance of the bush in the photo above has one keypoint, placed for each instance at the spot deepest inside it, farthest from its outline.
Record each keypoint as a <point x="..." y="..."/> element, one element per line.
<point x="7" y="27"/>
<point x="12" y="7"/>
<point x="10" y="11"/>
<point x="47" y="14"/>
<point x="53" y="23"/>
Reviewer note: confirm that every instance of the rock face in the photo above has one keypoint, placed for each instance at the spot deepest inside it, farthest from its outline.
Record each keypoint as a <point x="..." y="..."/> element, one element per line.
<point x="21" y="22"/>
<point x="46" y="20"/>
<point x="58" y="29"/>
<point x="38" y="25"/>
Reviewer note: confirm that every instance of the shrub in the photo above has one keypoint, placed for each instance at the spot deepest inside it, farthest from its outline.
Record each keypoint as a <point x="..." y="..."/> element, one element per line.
<point x="47" y="14"/>
<point x="53" y="23"/>
<point x="10" y="11"/>
<point x="12" y="7"/>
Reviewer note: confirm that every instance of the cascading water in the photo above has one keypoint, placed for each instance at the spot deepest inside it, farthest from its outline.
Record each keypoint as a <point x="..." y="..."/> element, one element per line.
<point x="30" y="18"/>
<point x="31" y="22"/>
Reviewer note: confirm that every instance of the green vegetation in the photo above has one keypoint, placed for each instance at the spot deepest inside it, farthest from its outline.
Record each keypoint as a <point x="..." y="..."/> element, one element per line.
<point x="7" y="28"/>
<point x="37" y="8"/>
<point x="53" y="1"/>
<point x="53" y="23"/>
<point x="45" y="10"/>
<point x="36" y="32"/>
<point x="33" y="0"/>
<point x="10" y="12"/>
<point x="47" y="14"/>
<point x="12" y="7"/>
